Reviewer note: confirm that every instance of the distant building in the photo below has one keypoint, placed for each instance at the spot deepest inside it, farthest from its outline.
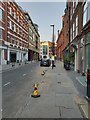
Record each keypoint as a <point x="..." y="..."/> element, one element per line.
<point x="33" y="41"/>
<point x="46" y="49"/>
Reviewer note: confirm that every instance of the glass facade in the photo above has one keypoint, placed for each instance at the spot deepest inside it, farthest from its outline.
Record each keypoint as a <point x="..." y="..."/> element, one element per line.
<point x="45" y="49"/>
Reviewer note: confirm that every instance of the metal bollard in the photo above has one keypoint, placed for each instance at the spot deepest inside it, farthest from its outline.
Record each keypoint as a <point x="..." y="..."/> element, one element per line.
<point x="88" y="84"/>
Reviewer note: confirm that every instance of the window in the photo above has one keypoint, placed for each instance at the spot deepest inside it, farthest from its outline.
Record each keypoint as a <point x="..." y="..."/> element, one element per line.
<point x="18" y="30"/>
<point x="10" y="39"/>
<point x="10" y="11"/>
<point x="10" y="24"/>
<point x="15" y="27"/>
<point x="71" y="13"/>
<point x="86" y="13"/>
<point x="76" y="3"/>
<point x="45" y="49"/>
<point x="73" y="31"/>
<point x="71" y="34"/>
<point x="33" y="37"/>
<point x="18" y="18"/>
<point x="73" y="6"/>
<point x="1" y="14"/>
<point x="30" y="30"/>
<point x="30" y="37"/>
<point x="15" y="41"/>
<point x="0" y="33"/>
<point x="76" y="25"/>
<point x="15" y="15"/>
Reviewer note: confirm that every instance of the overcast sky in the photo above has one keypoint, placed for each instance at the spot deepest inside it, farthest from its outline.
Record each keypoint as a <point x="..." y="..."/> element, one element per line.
<point x="44" y="14"/>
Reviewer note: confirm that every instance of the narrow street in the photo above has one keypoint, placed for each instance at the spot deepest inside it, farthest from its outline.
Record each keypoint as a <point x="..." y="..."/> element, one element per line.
<point x="58" y="89"/>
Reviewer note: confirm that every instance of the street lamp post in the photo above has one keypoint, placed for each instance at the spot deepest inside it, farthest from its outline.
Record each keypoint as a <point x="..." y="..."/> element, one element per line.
<point x="53" y="52"/>
<point x="53" y="40"/>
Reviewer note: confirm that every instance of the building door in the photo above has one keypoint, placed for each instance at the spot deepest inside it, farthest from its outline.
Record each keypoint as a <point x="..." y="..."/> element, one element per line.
<point x="12" y="57"/>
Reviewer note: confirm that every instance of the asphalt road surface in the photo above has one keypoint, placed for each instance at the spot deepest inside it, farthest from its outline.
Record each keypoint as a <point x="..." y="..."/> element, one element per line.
<point x="16" y="86"/>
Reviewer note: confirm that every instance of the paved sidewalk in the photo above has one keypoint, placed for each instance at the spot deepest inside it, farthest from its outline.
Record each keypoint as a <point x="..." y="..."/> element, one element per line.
<point x="12" y="66"/>
<point x="59" y="98"/>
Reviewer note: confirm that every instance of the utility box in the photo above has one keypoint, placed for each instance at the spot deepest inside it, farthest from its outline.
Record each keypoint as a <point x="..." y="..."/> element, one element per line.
<point x="88" y="84"/>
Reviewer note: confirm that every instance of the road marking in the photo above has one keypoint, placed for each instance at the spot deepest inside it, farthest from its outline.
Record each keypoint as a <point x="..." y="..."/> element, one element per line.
<point x="24" y="74"/>
<point x="6" y="84"/>
<point x="81" y="82"/>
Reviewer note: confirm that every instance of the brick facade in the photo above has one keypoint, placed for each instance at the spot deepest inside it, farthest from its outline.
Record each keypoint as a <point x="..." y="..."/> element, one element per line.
<point x="14" y="29"/>
<point x="76" y="35"/>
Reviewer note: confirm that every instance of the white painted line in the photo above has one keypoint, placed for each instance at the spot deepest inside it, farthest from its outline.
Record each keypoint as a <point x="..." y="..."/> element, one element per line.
<point x="1" y="110"/>
<point x="80" y="82"/>
<point x="6" y="84"/>
<point x="24" y="74"/>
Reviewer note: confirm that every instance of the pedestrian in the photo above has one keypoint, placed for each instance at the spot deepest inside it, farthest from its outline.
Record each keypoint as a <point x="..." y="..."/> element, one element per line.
<point x="52" y="62"/>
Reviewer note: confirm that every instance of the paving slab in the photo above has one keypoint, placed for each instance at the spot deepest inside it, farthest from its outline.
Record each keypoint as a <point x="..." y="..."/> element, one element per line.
<point x="70" y="113"/>
<point x="57" y="96"/>
<point x="67" y="101"/>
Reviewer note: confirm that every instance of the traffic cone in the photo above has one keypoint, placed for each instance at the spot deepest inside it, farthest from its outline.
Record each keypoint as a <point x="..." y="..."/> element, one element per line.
<point x="35" y="92"/>
<point x="43" y="72"/>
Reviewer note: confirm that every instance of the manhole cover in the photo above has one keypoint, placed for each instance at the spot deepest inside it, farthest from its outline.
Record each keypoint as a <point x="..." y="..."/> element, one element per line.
<point x="59" y="82"/>
<point x="59" y="74"/>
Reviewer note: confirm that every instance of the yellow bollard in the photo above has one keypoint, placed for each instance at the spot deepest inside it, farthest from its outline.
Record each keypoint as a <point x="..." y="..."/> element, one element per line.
<point x="35" y="93"/>
<point x="43" y="72"/>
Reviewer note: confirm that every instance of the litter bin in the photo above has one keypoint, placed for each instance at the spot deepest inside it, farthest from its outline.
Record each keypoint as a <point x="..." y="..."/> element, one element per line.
<point x="88" y="84"/>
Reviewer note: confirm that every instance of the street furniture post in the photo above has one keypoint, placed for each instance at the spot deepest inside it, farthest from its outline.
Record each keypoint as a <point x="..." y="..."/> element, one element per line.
<point x="88" y="84"/>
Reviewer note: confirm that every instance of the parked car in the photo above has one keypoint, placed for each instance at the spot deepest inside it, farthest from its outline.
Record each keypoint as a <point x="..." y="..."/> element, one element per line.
<point x="45" y="62"/>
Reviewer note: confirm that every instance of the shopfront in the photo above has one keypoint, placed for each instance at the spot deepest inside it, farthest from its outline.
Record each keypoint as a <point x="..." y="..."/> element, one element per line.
<point x="87" y="51"/>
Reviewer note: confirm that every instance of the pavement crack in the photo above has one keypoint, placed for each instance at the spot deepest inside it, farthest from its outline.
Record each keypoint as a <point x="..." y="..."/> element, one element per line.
<point x="66" y="107"/>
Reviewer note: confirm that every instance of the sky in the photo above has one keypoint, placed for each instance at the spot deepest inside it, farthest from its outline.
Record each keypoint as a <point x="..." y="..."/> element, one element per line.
<point x="44" y="14"/>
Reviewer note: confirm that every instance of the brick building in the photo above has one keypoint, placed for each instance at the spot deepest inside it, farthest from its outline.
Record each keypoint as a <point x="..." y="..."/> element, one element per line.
<point x="63" y="39"/>
<point x="60" y="44"/>
<point x="2" y="31"/>
<point x="19" y="37"/>
<point x="77" y="34"/>
<point x="15" y="43"/>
